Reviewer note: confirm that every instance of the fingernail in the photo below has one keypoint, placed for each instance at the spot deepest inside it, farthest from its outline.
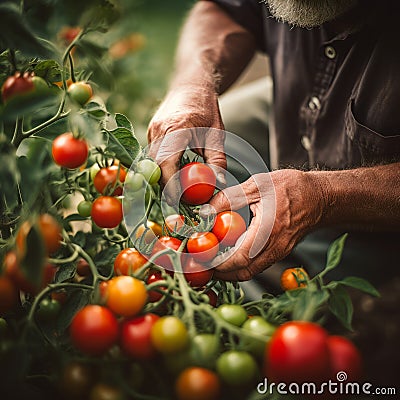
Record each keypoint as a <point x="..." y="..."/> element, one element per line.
<point x="221" y="178"/>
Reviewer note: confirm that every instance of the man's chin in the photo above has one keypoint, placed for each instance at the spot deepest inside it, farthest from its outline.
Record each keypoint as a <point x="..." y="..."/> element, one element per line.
<point x="308" y="13"/>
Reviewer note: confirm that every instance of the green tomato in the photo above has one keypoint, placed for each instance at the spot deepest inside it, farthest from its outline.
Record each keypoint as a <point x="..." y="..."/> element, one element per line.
<point x="150" y="170"/>
<point x="134" y="182"/>
<point x="94" y="169"/>
<point x="169" y="335"/>
<point x="85" y="208"/>
<point x="40" y="84"/>
<point x="204" y="350"/>
<point x="264" y="329"/>
<point x="236" y="368"/>
<point x="235" y="314"/>
<point x="80" y="92"/>
<point x="3" y="328"/>
<point x="48" y="310"/>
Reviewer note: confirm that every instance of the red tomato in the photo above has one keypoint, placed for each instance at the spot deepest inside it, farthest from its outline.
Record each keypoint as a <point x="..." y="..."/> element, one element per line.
<point x="195" y="273"/>
<point x="9" y="295"/>
<point x="94" y="330"/>
<point x="197" y="182"/>
<point x="107" y="212"/>
<point x="345" y="357"/>
<point x="49" y="229"/>
<point x="68" y="33"/>
<point x="127" y="261"/>
<point x="136" y="336"/>
<point x="153" y="295"/>
<point x="83" y="267"/>
<point x="17" y="85"/>
<point x="107" y="177"/>
<point x="163" y="243"/>
<point x="298" y="352"/>
<point x="203" y="246"/>
<point x="69" y="151"/>
<point x="213" y="297"/>
<point x="174" y="223"/>
<point x="228" y="227"/>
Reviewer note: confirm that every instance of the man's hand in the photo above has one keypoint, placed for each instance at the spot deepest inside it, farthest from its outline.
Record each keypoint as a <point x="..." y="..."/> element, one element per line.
<point x="285" y="206"/>
<point x="184" y="110"/>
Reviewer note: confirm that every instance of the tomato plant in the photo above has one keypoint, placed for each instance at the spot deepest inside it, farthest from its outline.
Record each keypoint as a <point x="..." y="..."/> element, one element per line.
<point x="197" y="182"/>
<point x="126" y="295"/>
<point x="107" y="212"/>
<point x="228" y="227"/>
<point x="108" y="178"/>
<point x="298" y="352"/>
<point x="169" y="335"/>
<point x="127" y="261"/>
<point x="69" y="151"/>
<point x="203" y="246"/>
<point x="197" y="383"/>
<point x="294" y="278"/>
<point x="80" y="92"/>
<point x="135" y="337"/>
<point x="94" y="329"/>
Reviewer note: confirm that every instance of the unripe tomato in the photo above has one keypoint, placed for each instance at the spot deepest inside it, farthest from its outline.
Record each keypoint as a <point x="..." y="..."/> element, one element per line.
<point x="102" y="391"/>
<point x="344" y="357"/>
<point x="81" y="92"/>
<point x="107" y="212"/>
<point x="48" y="310"/>
<point x="174" y="223"/>
<point x="203" y="246"/>
<point x="236" y="368"/>
<point x="126" y="295"/>
<point x="228" y="227"/>
<point x="127" y="261"/>
<point x="39" y="84"/>
<point x="263" y="329"/>
<point x="294" y="278"/>
<point x="94" y="329"/>
<point x="17" y="85"/>
<point x="150" y="170"/>
<point x="136" y="336"/>
<point x="197" y="182"/>
<point x="298" y="352"/>
<point x="9" y="295"/>
<point x="76" y="380"/>
<point x="108" y="177"/>
<point x="235" y="314"/>
<point x="196" y="383"/>
<point x="155" y="230"/>
<point x="85" y="208"/>
<point x="169" y="335"/>
<point x="204" y="349"/>
<point x="69" y="151"/>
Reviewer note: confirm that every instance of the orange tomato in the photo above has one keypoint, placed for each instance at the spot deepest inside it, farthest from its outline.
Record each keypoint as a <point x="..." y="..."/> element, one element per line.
<point x="294" y="278"/>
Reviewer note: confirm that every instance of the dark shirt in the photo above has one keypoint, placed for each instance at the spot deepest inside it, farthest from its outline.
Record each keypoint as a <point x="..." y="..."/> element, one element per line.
<point x="336" y="93"/>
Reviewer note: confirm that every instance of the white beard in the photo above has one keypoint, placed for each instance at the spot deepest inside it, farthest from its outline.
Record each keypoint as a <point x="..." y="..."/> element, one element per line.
<point x="308" y="13"/>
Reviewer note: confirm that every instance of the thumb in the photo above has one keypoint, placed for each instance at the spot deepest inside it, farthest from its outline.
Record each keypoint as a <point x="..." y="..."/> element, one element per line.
<point x="231" y="198"/>
<point x="214" y="153"/>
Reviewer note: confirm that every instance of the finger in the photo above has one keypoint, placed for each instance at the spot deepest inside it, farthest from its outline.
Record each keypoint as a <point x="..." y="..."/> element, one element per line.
<point x="231" y="198"/>
<point x="214" y="153"/>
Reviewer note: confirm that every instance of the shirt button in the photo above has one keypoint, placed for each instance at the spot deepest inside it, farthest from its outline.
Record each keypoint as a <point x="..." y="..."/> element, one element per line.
<point x="306" y="142"/>
<point x="330" y="52"/>
<point x="314" y="103"/>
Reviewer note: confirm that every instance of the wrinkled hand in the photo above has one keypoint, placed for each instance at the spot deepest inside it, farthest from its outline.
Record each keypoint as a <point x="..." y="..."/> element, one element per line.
<point x="285" y="205"/>
<point x="187" y="108"/>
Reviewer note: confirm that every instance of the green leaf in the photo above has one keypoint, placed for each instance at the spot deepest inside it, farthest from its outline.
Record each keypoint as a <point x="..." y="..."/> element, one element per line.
<point x="124" y="145"/>
<point x="335" y="253"/>
<point x="360" y="284"/>
<point x="104" y="260"/>
<point x="99" y="18"/>
<point x="49" y="70"/>
<point x="33" y="261"/>
<point x="16" y="34"/>
<point x="123" y="122"/>
<point x="341" y="306"/>
<point x="308" y="303"/>
<point x="96" y="110"/>
<point x="9" y="174"/>
<point x="65" y="272"/>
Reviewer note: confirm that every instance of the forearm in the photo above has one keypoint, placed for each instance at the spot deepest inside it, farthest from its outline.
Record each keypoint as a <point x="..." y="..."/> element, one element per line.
<point x="213" y="50"/>
<point x="365" y="198"/>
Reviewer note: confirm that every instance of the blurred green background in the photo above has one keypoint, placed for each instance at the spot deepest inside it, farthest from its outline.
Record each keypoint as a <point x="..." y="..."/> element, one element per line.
<point x="141" y="78"/>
